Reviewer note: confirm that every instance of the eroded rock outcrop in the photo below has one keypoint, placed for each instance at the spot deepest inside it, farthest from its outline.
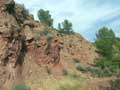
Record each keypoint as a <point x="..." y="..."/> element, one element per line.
<point x="11" y="41"/>
<point x="21" y="37"/>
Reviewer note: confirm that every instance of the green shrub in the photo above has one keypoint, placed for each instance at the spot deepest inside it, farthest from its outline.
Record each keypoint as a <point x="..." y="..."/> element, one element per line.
<point x="49" y="37"/>
<point x="47" y="33"/>
<point x="48" y="70"/>
<point x="20" y="86"/>
<point x="24" y="12"/>
<point x="76" y="60"/>
<point x="80" y="67"/>
<point x="65" y="72"/>
<point x="98" y="72"/>
<point x="10" y="7"/>
<point x="44" y="32"/>
<point x="104" y="42"/>
<point x="45" y="17"/>
<point x="115" y="85"/>
<point x="109" y="67"/>
<point x="106" y="72"/>
<point x="108" y="46"/>
<point x="103" y="63"/>
<point x="65" y="27"/>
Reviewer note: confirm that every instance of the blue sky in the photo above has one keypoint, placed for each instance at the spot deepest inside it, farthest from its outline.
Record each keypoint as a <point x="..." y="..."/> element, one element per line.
<point x="87" y="16"/>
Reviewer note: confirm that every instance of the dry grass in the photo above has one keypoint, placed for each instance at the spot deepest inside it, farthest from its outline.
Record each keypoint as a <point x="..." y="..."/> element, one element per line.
<point x="66" y="83"/>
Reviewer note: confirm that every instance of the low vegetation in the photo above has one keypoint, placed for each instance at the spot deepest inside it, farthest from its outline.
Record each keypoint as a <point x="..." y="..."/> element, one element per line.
<point x="108" y="46"/>
<point x="115" y="85"/>
<point x="20" y="86"/>
<point x="69" y="82"/>
<point x="9" y="7"/>
<point x="65" y="27"/>
<point x="23" y="13"/>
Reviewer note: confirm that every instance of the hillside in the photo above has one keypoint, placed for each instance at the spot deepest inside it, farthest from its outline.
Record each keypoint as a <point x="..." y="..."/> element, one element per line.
<point x="36" y="54"/>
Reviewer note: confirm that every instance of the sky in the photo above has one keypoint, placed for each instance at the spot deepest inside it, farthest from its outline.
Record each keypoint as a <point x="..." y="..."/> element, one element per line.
<point x="87" y="16"/>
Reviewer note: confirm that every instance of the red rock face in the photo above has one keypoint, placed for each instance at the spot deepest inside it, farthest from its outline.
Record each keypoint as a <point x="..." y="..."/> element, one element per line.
<point x="41" y="57"/>
<point x="3" y="45"/>
<point x="54" y="53"/>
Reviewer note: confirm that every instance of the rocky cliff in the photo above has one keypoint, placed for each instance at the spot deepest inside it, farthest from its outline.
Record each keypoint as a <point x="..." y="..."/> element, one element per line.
<point x="28" y="49"/>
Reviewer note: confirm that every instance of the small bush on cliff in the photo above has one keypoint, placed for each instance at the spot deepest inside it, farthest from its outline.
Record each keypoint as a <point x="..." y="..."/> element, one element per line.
<point x="45" y="17"/>
<point x="65" y="72"/>
<point x="81" y="67"/>
<point x="47" y="33"/>
<point x="10" y="7"/>
<point x="65" y="27"/>
<point x="23" y="11"/>
<point x="49" y="41"/>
